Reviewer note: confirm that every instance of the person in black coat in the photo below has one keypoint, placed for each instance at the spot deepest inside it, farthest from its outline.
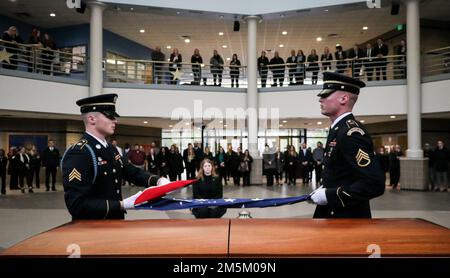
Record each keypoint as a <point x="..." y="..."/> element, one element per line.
<point x="230" y="162"/>
<point x="189" y="161"/>
<point x="313" y="66"/>
<point x="23" y="166"/>
<point x="291" y="63"/>
<point x="263" y="63"/>
<point x="306" y="160"/>
<point x="12" y="169"/>
<point x="428" y="152"/>
<point x="197" y="61"/>
<point x="175" y="64"/>
<point x="277" y="67"/>
<point x="245" y="167"/>
<point x="380" y="51"/>
<point x="383" y="158"/>
<point x="3" y="164"/>
<point x="441" y="160"/>
<point x="48" y="54"/>
<point x="369" y="61"/>
<point x="235" y="67"/>
<point x="356" y="54"/>
<point x="279" y="160"/>
<point x="394" y="166"/>
<point x="163" y="162"/>
<point x="173" y="163"/>
<point x="50" y="162"/>
<point x="208" y="186"/>
<point x="34" y="41"/>
<point x="291" y="162"/>
<point x="301" y="71"/>
<point x="178" y="163"/>
<point x="221" y="159"/>
<point x="12" y="38"/>
<point x="152" y="161"/>
<point x="326" y="56"/>
<point x="35" y="167"/>
<point x="340" y="56"/>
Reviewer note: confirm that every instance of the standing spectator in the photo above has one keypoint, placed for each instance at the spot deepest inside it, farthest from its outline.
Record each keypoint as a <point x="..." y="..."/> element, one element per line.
<point x="35" y="166"/>
<point x="401" y="61"/>
<point x="291" y="160"/>
<point x="208" y="154"/>
<point x="245" y="167"/>
<point x="380" y="51"/>
<point x="199" y="155"/>
<point x="263" y="63"/>
<point x="48" y="54"/>
<point x="189" y="161"/>
<point x="3" y="163"/>
<point x="313" y="66"/>
<point x="197" y="61"/>
<point x="178" y="163"/>
<point x="441" y="159"/>
<point x="383" y="158"/>
<point x="163" y="160"/>
<point x="291" y="63"/>
<point x="12" y="38"/>
<point x="50" y="161"/>
<point x="158" y="73"/>
<point x="279" y="160"/>
<point x="220" y="164"/>
<point x="137" y="157"/>
<point x="172" y="163"/>
<point x="341" y="57"/>
<point x="305" y="159"/>
<point x="208" y="186"/>
<point x="216" y="62"/>
<point x="277" y="68"/>
<point x="394" y="166"/>
<point x="12" y="169"/>
<point x="23" y="165"/>
<point x="152" y="161"/>
<point x="235" y="67"/>
<point x="116" y="146"/>
<point x="285" y="168"/>
<point x="230" y="154"/>
<point x="429" y="153"/>
<point x="175" y="63"/>
<point x="318" y="155"/>
<point x="300" y="75"/>
<point x="269" y="164"/>
<point x="356" y="54"/>
<point x="326" y="56"/>
<point x="34" y="41"/>
<point x="369" y="62"/>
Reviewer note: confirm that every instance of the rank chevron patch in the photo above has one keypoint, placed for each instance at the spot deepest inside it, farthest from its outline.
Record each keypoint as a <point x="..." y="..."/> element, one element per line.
<point x="362" y="158"/>
<point x="74" y="175"/>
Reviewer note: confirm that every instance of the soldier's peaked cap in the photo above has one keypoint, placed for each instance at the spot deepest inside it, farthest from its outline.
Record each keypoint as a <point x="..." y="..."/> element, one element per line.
<point x="333" y="82"/>
<point x="104" y="103"/>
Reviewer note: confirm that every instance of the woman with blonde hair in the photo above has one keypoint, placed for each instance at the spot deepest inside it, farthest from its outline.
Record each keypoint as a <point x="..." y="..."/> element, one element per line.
<point x="208" y="186"/>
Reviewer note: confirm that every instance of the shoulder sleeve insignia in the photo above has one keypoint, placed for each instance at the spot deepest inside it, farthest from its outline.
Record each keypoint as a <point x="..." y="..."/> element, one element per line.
<point x="355" y="129"/>
<point x="351" y="123"/>
<point x="362" y="158"/>
<point x="74" y="175"/>
<point x="80" y="145"/>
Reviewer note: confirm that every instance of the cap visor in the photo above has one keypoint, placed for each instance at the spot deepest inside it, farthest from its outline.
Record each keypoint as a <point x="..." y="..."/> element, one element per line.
<point x="326" y="92"/>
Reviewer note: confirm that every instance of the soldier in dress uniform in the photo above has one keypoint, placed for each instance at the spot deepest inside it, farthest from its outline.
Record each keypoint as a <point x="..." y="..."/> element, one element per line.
<point x="93" y="170"/>
<point x="351" y="175"/>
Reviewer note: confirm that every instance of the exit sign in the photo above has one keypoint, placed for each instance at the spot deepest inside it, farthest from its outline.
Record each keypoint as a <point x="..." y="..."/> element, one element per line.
<point x="400" y="27"/>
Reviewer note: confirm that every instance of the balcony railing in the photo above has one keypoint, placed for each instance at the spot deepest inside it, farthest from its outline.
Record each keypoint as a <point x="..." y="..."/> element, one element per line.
<point x="436" y="61"/>
<point x="36" y="59"/>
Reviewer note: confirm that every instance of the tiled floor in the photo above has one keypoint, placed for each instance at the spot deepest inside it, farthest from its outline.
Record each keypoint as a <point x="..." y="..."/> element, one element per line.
<point x="24" y="215"/>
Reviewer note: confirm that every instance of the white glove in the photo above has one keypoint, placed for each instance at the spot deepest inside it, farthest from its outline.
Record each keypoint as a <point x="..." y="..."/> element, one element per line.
<point x="162" y="181"/>
<point x="128" y="203"/>
<point x="319" y="197"/>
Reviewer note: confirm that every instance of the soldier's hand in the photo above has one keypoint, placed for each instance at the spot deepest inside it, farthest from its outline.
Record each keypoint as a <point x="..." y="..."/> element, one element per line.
<point x="319" y="197"/>
<point x="128" y="203"/>
<point x="162" y="181"/>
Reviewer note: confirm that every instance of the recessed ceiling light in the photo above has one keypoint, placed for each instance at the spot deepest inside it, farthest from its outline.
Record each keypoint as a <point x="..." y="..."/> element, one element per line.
<point x="187" y="123"/>
<point x="145" y="122"/>
<point x="393" y="117"/>
<point x="142" y="31"/>
<point x="168" y="59"/>
<point x="52" y="14"/>
<point x="221" y="16"/>
<point x="220" y="121"/>
<point x="170" y="125"/>
<point x="131" y="9"/>
<point x="168" y="47"/>
<point x="220" y="33"/>
<point x="228" y="59"/>
<point x="326" y="10"/>
<point x="281" y="45"/>
<point x="224" y="46"/>
<point x="224" y="125"/>
<point x="281" y="125"/>
<point x="365" y="28"/>
<point x="319" y="39"/>
<point x="284" y="121"/>
<point x="284" y="33"/>
<point x="187" y="40"/>
<point x="319" y="123"/>
<point x="178" y="12"/>
<point x="362" y="121"/>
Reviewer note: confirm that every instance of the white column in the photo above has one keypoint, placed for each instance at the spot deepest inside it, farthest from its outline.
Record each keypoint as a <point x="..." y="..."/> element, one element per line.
<point x="252" y="90"/>
<point x="96" y="48"/>
<point x="414" y="85"/>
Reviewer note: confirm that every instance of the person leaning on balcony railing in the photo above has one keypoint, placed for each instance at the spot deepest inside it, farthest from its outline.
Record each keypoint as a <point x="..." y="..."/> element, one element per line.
<point x="175" y="63"/>
<point x="158" y="56"/>
<point x="34" y="41"/>
<point x="291" y="62"/>
<point x="356" y="54"/>
<point x="277" y="69"/>
<point x="47" y="55"/>
<point x="313" y="66"/>
<point x="340" y="56"/>
<point x="326" y="56"/>
<point x="300" y="74"/>
<point x="196" y="61"/>
<point x="235" y="66"/>
<point x="401" y="61"/>
<point x="263" y="63"/>
<point x="381" y="50"/>
<point x="216" y="62"/>
<point x="368" y="54"/>
<point x="11" y="38"/>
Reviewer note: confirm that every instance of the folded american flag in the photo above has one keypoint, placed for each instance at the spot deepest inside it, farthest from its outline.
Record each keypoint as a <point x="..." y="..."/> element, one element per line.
<point x="166" y="203"/>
